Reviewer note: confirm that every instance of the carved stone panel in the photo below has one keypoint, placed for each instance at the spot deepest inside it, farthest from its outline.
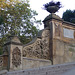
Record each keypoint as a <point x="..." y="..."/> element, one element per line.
<point x="16" y="57"/>
<point x="57" y="29"/>
<point x="40" y="48"/>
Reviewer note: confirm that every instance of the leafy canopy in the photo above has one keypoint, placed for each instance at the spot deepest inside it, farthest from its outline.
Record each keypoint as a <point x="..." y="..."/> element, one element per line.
<point x="69" y="16"/>
<point x="7" y="3"/>
<point x="18" y="19"/>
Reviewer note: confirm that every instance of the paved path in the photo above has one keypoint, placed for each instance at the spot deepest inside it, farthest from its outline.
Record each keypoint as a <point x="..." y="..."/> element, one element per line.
<point x="61" y="69"/>
<point x="70" y="72"/>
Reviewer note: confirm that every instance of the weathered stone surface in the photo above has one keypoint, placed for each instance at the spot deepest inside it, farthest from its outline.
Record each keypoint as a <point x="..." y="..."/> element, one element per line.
<point x="63" y="48"/>
<point x="34" y="63"/>
<point x="16" y="57"/>
<point x="12" y="57"/>
<point x="63" y="52"/>
<point x="39" y="49"/>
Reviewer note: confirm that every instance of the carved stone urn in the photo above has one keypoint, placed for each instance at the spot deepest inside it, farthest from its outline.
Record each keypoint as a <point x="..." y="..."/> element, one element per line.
<point x="52" y="9"/>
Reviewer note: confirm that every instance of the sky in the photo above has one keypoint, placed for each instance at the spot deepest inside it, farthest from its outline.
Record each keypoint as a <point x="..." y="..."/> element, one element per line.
<point x="38" y="6"/>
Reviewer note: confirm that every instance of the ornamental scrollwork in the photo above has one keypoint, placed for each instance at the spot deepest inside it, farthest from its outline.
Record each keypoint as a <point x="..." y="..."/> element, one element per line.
<point x="40" y="48"/>
<point x="16" y="57"/>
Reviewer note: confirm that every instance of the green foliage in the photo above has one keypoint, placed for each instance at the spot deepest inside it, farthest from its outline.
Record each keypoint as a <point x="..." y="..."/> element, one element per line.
<point x="1" y="20"/>
<point x="19" y="19"/>
<point x="69" y="16"/>
<point x="25" y="39"/>
<point x="1" y="50"/>
<point x="2" y="40"/>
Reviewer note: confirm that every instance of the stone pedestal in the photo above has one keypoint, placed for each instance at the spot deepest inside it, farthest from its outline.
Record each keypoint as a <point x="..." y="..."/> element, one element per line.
<point x="14" y="48"/>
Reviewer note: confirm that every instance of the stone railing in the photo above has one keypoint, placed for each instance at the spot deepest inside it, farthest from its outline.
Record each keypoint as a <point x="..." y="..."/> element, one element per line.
<point x="1" y="62"/>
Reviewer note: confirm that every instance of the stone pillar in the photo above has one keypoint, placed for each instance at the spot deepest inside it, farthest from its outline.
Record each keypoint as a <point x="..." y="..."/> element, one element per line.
<point x="14" y="48"/>
<point x="54" y="23"/>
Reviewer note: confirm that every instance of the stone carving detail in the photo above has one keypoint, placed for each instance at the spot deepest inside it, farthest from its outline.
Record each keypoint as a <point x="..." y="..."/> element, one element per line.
<point x="1" y="61"/>
<point x="16" y="57"/>
<point x="57" y="29"/>
<point x="40" y="48"/>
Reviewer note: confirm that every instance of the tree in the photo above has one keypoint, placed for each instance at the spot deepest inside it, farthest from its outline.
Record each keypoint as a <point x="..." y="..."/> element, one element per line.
<point x="19" y="19"/>
<point x="1" y="44"/>
<point x="7" y="3"/>
<point x="69" y="16"/>
<point x="3" y="5"/>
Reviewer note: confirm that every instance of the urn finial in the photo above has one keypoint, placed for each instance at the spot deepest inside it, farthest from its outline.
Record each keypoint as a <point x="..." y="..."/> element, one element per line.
<point x="52" y="7"/>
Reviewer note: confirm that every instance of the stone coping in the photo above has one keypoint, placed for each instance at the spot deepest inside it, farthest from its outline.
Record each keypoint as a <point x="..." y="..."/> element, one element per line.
<point x="68" y="23"/>
<point x="52" y="16"/>
<point x="11" y="42"/>
<point x="42" y="60"/>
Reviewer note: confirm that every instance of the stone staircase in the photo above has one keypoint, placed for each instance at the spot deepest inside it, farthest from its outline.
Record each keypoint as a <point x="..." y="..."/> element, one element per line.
<point x="48" y="70"/>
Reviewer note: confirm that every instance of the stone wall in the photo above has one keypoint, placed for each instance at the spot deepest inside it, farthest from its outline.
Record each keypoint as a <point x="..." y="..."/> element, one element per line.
<point x="63" y="52"/>
<point x="34" y="63"/>
<point x="37" y="52"/>
<point x="63" y="42"/>
<point x="3" y="62"/>
<point x="38" y="48"/>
